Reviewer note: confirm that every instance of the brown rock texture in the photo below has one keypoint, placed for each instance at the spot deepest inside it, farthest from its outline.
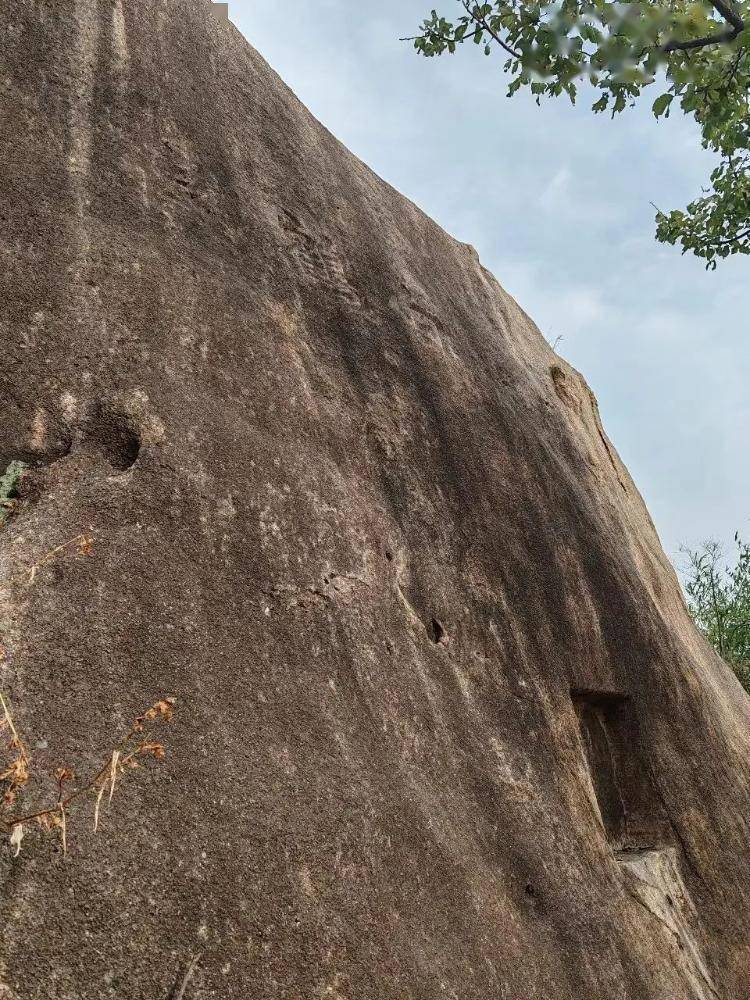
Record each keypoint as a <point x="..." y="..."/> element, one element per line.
<point x="444" y="728"/>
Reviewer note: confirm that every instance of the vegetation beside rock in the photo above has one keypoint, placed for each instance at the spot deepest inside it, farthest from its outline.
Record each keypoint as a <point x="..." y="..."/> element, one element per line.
<point x="719" y="601"/>
<point x="8" y="488"/>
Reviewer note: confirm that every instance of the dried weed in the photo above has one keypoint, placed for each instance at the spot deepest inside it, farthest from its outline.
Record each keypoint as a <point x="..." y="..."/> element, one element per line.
<point x="125" y="757"/>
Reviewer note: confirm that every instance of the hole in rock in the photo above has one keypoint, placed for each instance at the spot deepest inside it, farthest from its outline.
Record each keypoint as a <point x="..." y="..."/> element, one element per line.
<point x="115" y="438"/>
<point x="437" y="632"/>
<point x="630" y="809"/>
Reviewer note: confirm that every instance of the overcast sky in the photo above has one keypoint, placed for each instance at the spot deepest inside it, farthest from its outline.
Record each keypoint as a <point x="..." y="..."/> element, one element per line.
<point x="557" y="202"/>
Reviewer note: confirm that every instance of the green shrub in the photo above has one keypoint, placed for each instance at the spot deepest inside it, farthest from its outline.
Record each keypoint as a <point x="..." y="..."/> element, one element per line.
<point x="719" y="601"/>
<point x="8" y="488"/>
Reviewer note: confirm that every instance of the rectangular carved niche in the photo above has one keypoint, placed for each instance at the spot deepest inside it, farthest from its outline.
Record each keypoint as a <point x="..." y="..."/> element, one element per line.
<point x="631" y="812"/>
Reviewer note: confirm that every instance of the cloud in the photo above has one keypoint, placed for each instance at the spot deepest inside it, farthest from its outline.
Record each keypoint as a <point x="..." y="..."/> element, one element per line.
<point x="556" y="196"/>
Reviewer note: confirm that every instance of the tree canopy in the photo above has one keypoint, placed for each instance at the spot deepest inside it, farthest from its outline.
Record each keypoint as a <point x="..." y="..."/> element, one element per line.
<point x="694" y="53"/>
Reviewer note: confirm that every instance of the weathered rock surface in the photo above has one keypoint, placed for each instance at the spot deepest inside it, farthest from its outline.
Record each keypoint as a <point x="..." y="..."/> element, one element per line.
<point x="444" y="728"/>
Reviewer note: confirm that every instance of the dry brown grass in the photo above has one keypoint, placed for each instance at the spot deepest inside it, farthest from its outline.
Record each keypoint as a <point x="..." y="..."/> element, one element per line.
<point x="125" y="757"/>
<point x="16" y="771"/>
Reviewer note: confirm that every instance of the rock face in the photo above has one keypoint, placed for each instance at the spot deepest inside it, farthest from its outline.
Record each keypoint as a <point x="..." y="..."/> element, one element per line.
<point x="443" y="728"/>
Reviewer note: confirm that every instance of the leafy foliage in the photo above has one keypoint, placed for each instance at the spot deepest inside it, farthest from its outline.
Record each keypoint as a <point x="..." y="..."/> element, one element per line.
<point x="696" y="49"/>
<point x="9" y="481"/>
<point x="719" y="601"/>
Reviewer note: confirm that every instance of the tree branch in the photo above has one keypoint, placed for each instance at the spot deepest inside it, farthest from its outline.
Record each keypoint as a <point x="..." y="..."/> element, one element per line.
<point x="736" y="26"/>
<point x="700" y="43"/>
<point x="729" y="14"/>
<point x="728" y="241"/>
<point x="718" y="617"/>
<point x="482" y="22"/>
<point x="442" y="38"/>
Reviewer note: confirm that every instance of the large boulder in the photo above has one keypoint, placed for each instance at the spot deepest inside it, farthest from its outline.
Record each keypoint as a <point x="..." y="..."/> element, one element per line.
<point x="443" y="725"/>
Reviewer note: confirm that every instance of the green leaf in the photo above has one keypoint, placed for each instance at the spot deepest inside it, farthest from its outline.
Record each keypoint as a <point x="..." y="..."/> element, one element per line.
<point x="601" y="104"/>
<point x="661" y="105"/>
<point x="618" y="49"/>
